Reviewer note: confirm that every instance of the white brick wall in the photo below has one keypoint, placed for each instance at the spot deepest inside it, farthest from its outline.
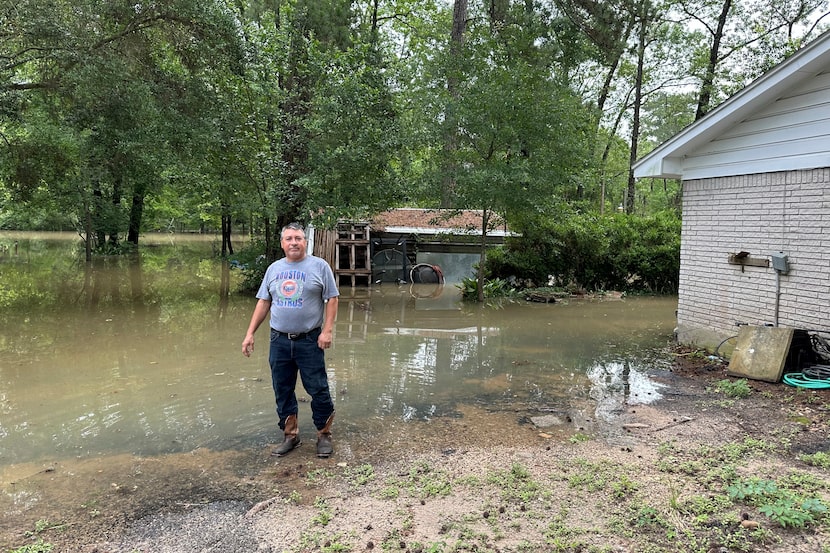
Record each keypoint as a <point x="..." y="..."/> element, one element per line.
<point x="761" y="214"/>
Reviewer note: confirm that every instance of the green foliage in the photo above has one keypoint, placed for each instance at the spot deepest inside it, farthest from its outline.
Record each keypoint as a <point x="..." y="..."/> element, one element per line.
<point x="421" y="481"/>
<point x="493" y="288"/>
<point x="120" y="117"/>
<point x="817" y="459"/>
<point x="324" y="514"/>
<point x="38" y="547"/>
<point x="619" y="252"/>
<point x="749" y="489"/>
<point x="517" y="483"/>
<point x="252" y="263"/>
<point x="792" y="512"/>
<point x="360" y="475"/>
<point x="579" y="437"/>
<point x="785" y="506"/>
<point x="116" y="100"/>
<point x="733" y="388"/>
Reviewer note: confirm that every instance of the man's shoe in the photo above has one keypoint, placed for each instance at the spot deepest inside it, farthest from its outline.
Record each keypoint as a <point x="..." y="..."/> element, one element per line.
<point x="324" y="447"/>
<point x="291" y="437"/>
<point x="289" y="443"/>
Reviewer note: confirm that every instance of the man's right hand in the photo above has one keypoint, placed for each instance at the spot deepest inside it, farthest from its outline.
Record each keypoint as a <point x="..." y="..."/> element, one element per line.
<point x="248" y="346"/>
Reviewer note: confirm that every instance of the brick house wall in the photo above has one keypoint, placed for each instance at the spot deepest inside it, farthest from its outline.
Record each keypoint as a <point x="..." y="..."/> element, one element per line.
<point x="787" y="211"/>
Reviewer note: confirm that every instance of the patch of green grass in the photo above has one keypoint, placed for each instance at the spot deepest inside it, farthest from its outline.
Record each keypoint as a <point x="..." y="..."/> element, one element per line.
<point x="38" y="547"/>
<point x="421" y="481"/>
<point x="733" y="388"/>
<point x="360" y="475"/>
<point x="392" y="491"/>
<point x="515" y="484"/>
<point x="562" y="537"/>
<point x="42" y="526"/>
<point x="789" y="508"/>
<point x="646" y="516"/>
<point x="595" y="476"/>
<point x="623" y="487"/>
<point x="323" y="542"/>
<point x="431" y="547"/>
<point x="579" y="437"/>
<point x="324" y="514"/>
<point x="819" y="459"/>
<point x="315" y="476"/>
<point x="700" y="505"/>
<point x="804" y="482"/>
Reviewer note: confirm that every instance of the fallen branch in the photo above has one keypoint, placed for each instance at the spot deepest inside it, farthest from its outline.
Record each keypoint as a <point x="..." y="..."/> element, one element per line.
<point x="675" y="423"/>
<point x="261" y="506"/>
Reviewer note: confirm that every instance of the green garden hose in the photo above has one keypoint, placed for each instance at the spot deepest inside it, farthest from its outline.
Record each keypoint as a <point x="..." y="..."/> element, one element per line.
<point x="814" y="377"/>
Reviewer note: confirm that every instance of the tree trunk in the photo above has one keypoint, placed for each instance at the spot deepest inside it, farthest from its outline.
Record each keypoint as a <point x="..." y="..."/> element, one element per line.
<point x="638" y="100"/>
<point x="88" y="236"/>
<point x="270" y="244"/>
<point x="497" y="10"/>
<point x="705" y="97"/>
<point x="112" y="219"/>
<point x="459" y="28"/>
<point x="227" y="245"/>
<point x="482" y="258"/>
<point x="136" y="214"/>
<point x="99" y="234"/>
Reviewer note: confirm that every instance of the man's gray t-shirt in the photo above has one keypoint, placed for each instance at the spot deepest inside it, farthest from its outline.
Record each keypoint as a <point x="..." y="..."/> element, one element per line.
<point x="297" y="292"/>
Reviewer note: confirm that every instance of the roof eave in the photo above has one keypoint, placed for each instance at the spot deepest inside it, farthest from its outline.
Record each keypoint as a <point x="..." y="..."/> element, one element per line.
<point x="666" y="161"/>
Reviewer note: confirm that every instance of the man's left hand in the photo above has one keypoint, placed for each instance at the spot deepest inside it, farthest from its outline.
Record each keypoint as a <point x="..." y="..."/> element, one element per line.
<point x="325" y="339"/>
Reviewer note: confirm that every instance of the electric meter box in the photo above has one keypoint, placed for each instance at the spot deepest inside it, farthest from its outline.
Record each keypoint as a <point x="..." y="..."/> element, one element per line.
<point x="779" y="262"/>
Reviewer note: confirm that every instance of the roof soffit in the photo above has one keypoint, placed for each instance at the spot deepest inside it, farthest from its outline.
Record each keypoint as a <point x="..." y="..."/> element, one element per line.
<point x="666" y="160"/>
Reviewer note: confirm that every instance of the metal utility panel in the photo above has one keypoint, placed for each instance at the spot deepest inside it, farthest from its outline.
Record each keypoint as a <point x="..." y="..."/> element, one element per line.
<point x="761" y="353"/>
<point x="780" y="263"/>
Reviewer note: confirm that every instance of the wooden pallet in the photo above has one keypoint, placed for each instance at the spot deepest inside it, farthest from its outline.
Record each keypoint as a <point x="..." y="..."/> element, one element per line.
<point x="352" y="255"/>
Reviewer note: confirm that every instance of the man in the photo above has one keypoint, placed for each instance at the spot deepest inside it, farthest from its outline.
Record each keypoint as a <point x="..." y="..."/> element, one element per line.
<point x="300" y="293"/>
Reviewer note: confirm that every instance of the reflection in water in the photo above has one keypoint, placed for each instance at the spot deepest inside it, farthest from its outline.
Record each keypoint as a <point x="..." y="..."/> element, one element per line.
<point x="141" y="355"/>
<point x="616" y="385"/>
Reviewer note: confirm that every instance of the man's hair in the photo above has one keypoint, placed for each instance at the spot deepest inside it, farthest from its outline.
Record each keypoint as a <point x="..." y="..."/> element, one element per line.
<point x="293" y="226"/>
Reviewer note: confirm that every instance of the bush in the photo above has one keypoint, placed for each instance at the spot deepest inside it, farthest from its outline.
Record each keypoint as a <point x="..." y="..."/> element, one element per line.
<point x="617" y="252"/>
<point x="253" y="264"/>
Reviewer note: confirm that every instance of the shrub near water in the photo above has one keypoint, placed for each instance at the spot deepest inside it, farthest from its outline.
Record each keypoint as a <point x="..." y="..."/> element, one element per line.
<point x="616" y="252"/>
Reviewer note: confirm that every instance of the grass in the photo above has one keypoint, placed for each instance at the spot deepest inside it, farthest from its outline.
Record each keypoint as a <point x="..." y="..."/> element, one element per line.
<point x="733" y="388"/>
<point x="518" y="509"/>
<point x="685" y="498"/>
<point x="819" y="459"/>
<point x="39" y="546"/>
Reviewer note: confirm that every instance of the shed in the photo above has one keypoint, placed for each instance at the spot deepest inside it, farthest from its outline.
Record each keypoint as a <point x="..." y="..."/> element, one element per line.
<point x="755" y="172"/>
<point x="387" y="246"/>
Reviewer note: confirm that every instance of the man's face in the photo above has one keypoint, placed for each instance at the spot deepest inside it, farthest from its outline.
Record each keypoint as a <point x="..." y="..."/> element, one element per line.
<point x="293" y="244"/>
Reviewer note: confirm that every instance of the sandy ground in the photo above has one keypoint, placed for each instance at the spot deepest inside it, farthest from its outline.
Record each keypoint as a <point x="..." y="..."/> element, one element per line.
<point x="527" y="482"/>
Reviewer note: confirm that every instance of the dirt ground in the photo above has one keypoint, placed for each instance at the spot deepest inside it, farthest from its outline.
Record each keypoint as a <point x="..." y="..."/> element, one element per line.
<point x="651" y="481"/>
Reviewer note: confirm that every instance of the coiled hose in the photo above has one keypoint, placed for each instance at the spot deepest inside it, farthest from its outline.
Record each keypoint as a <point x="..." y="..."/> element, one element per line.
<point x="814" y="377"/>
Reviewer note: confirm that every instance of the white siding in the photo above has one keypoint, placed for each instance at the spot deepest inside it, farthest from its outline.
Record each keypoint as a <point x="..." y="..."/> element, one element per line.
<point x="791" y="133"/>
<point x="786" y="211"/>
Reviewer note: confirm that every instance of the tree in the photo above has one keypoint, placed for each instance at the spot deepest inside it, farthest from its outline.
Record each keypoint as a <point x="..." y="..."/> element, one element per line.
<point x="123" y="80"/>
<point x="764" y="31"/>
<point x="522" y="131"/>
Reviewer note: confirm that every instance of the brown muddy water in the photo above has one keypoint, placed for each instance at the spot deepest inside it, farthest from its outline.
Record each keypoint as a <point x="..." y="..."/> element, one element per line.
<point x="139" y="357"/>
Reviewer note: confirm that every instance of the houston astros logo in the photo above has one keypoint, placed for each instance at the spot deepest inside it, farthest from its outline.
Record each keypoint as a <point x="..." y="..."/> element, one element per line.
<point x="290" y="288"/>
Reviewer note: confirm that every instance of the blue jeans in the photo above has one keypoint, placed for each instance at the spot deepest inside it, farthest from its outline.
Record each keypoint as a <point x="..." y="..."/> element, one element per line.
<point x="287" y="358"/>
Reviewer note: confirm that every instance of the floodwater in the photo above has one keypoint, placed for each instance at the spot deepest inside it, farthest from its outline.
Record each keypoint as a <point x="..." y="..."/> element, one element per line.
<point x="141" y="356"/>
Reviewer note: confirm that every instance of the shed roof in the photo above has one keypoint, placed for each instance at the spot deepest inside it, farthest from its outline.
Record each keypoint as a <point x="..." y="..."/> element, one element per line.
<point x="433" y="221"/>
<point x="666" y="161"/>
